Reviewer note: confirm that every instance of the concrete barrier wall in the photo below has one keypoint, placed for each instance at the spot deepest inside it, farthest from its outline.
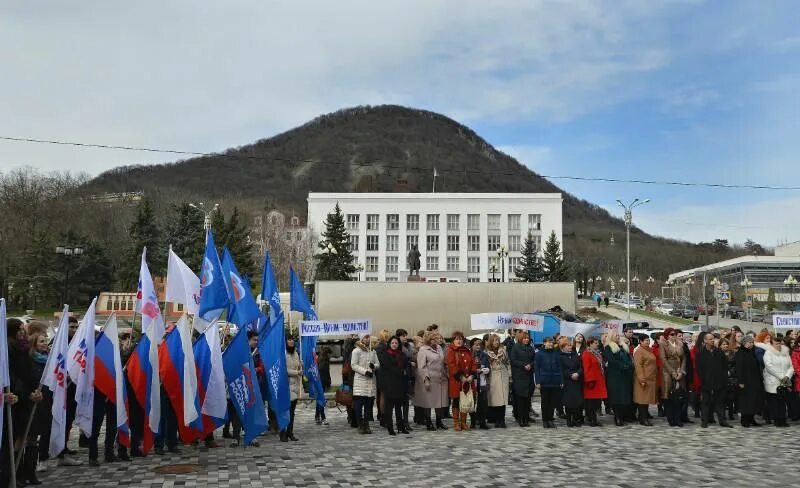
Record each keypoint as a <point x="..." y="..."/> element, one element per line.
<point x="415" y="305"/>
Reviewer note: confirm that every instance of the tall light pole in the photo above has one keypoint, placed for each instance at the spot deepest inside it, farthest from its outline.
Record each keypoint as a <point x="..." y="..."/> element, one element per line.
<point x="791" y="282"/>
<point x="502" y="253"/>
<point x="635" y="282"/>
<point x="328" y="250"/>
<point x="717" y="285"/>
<point x="206" y="213"/>
<point x="69" y="253"/>
<point x="628" y="221"/>
<point x="651" y="280"/>
<point x="747" y="283"/>
<point x="689" y="284"/>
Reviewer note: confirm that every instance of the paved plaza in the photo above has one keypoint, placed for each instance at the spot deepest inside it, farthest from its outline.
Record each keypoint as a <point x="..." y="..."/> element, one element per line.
<point x="336" y="456"/>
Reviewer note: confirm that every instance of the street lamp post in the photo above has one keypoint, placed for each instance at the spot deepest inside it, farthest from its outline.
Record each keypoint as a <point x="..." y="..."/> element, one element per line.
<point x="791" y="282"/>
<point x="717" y="285"/>
<point x="502" y="253"/>
<point x="635" y="282"/>
<point x="329" y="249"/>
<point x="651" y="280"/>
<point x="747" y="283"/>
<point x="359" y="269"/>
<point x="493" y="269"/>
<point x="628" y="221"/>
<point x="69" y="253"/>
<point x="206" y="213"/>
<point x="689" y="284"/>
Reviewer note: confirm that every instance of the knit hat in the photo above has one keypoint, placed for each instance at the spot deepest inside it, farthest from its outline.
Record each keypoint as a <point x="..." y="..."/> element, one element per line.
<point x="747" y="339"/>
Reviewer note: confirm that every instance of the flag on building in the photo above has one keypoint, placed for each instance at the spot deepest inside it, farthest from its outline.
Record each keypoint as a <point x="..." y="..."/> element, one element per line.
<point x="210" y="377"/>
<point x="183" y="286"/>
<point x="240" y="375"/>
<point x="80" y="366"/>
<point x="213" y="288"/>
<point x="308" y="344"/>
<point x="5" y="379"/>
<point x="272" y="347"/>
<point x="143" y="364"/>
<point x="179" y="376"/>
<point x="54" y="377"/>
<point x="109" y="378"/>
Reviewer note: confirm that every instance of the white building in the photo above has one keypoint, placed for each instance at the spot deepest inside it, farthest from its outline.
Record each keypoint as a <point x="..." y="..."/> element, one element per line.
<point x="457" y="234"/>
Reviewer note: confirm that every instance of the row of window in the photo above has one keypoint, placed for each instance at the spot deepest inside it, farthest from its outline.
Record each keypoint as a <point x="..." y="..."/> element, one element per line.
<point x="453" y="221"/>
<point x="452" y="263"/>
<point x="453" y="243"/>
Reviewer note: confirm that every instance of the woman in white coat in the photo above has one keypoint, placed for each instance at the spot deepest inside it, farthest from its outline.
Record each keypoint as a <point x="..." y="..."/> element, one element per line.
<point x="294" y="368"/>
<point x="364" y="363"/>
<point x="430" y="389"/>
<point x="778" y="372"/>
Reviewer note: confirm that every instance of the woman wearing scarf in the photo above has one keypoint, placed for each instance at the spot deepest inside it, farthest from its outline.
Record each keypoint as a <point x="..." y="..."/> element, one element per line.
<point x="498" y="380"/>
<point x="730" y="392"/>
<point x="40" y="349"/>
<point x="619" y="377"/>
<point x="430" y="389"/>
<point x="392" y="381"/>
<point x="751" y="382"/>
<point x="594" y="380"/>
<point x="481" y="360"/>
<point x="673" y="375"/>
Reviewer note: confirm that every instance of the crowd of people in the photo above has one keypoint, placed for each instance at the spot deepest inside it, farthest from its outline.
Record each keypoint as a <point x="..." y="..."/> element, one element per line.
<point x="720" y="375"/>
<point x="425" y="382"/>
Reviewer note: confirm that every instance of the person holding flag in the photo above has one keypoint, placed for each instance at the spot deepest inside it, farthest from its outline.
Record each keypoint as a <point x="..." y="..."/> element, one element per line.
<point x="143" y="363"/>
<point x="109" y="382"/>
<point x="80" y="369"/>
<point x="7" y="401"/>
<point x="272" y="349"/>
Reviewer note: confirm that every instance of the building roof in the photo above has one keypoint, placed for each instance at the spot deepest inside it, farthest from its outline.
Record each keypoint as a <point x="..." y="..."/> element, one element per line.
<point x="752" y="261"/>
<point x="435" y="196"/>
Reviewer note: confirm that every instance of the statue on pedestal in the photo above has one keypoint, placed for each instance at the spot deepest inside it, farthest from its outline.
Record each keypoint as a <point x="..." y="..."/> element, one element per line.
<point x="412" y="260"/>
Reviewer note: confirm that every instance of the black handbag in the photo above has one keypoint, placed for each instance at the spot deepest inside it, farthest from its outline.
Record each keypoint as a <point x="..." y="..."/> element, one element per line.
<point x="783" y="392"/>
<point x="678" y="393"/>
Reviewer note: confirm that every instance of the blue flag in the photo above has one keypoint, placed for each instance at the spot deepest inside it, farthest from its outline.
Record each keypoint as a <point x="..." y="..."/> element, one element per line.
<point x="244" y="309"/>
<point x="240" y="375"/>
<point x="308" y="344"/>
<point x="213" y="291"/>
<point x="272" y="347"/>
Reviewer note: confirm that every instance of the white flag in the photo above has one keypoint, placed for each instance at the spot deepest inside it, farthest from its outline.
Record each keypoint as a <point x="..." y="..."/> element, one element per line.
<point x="54" y="377"/>
<point x="183" y="286"/>
<point x="190" y="413"/>
<point x="5" y="380"/>
<point x="80" y="366"/>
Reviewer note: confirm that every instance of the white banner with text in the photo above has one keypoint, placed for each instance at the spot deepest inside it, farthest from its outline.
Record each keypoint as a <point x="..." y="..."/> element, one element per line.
<point x="507" y="320"/>
<point x="334" y="327"/>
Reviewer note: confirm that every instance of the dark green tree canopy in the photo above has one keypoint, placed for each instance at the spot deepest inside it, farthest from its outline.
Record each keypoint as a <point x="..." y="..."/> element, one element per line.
<point x="335" y="261"/>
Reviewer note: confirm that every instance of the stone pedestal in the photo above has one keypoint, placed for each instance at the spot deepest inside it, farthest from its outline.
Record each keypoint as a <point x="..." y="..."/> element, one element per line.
<point x="415" y="279"/>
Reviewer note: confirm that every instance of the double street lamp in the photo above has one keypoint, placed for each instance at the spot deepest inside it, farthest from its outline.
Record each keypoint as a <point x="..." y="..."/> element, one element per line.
<point x="628" y="222"/>
<point x="747" y="283"/>
<point x="791" y="282"/>
<point x="502" y="253"/>
<point x="69" y="253"/>
<point x="206" y="213"/>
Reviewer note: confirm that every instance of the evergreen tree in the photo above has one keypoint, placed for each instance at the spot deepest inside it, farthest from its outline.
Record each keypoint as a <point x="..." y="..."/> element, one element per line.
<point x="234" y="233"/>
<point x="530" y="265"/>
<point x="336" y="264"/>
<point x="185" y="233"/>
<point x="555" y="269"/>
<point x="143" y="232"/>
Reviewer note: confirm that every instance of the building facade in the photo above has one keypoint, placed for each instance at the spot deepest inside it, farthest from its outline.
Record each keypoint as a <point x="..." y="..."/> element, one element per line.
<point x="458" y="234"/>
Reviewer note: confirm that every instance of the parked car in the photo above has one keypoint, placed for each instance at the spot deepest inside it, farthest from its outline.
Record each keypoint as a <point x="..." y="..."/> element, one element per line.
<point x="768" y="316"/>
<point x="733" y="312"/>
<point x="709" y="308"/>
<point x="665" y="308"/>
<point x="686" y="311"/>
<point x="756" y="315"/>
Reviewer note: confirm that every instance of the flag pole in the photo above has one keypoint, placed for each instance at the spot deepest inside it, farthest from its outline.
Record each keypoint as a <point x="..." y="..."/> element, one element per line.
<point x="434" y="181"/>
<point x="10" y="434"/>
<point x="25" y="436"/>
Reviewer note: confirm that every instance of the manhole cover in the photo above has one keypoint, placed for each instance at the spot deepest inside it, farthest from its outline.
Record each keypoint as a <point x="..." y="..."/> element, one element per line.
<point x="178" y="469"/>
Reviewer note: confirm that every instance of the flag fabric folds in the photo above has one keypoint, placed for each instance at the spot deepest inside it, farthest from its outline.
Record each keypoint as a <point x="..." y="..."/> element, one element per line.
<point x="142" y="366"/>
<point x="5" y="379"/>
<point x="183" y="286"/>
<point x="213" y="288"/>
<point x="54" y="377"/>
<point x="210" y="377"/>
<point x="80" y="366"/>
<point x="240" y="375"/>
<point x="308" y="344"/>
<point x="244" y="309"/>
<point x="179" y="377"/>
<point x="272" y="347"/>
<point x="109" y="378"/>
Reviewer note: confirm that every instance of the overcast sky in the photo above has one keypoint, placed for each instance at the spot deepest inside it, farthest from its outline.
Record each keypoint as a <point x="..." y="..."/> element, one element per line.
<point x="682" y="90"/>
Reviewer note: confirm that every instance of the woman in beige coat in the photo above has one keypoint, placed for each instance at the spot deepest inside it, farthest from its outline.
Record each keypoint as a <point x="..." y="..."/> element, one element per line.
<point x="294" y="367"/>
<point x="644" y="379"/>
<point x="674" y="375"/>
<point x="430" y="389"/>
<point x="498" y="380"/>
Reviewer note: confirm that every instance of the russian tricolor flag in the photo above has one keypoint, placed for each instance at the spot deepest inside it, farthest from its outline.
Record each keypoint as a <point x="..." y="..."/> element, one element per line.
<point x="179" y="377"/>
<point x="210" y="377"/>
<point x="109" y="378"/>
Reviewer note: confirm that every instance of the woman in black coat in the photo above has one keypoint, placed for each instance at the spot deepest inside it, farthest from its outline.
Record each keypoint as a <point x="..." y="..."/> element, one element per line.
<point x="572" y="394"/>
<point x="393" y="384"/>
<point x="521" y="359"/>
<point x="751" y="382"/>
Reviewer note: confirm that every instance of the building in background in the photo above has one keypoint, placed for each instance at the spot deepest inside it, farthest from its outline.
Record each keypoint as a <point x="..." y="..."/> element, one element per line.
<point x="458" y="234"/>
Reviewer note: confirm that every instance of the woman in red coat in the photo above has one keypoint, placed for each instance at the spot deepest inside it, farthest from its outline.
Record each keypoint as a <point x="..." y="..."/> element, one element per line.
<point x="461" y="371"/>
<point x="594" y="380"/>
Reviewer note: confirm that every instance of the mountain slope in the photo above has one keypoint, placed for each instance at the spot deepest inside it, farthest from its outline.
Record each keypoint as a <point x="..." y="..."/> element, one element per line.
<point x="393" y="148"/>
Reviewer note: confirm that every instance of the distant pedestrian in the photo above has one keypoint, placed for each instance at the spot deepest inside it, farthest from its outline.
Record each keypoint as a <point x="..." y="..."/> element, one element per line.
<point x="605" y="300"/>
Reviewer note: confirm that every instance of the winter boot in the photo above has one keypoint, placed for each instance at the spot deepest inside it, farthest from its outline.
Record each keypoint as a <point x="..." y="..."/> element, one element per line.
<point x="367" y="430"/>
<point x="456" y="419"/>
<point x="464" y="424"/>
